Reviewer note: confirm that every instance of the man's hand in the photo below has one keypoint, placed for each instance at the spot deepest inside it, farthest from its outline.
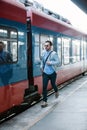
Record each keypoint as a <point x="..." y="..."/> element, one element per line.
<point x="48" y="63"/>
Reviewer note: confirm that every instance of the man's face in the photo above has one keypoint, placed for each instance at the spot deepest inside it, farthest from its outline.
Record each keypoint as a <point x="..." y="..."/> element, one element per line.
<point x="47" y="46"/>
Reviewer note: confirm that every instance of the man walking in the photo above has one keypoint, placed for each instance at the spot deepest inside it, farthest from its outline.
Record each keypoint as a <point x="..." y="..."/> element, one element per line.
<point x="49" y="60"/>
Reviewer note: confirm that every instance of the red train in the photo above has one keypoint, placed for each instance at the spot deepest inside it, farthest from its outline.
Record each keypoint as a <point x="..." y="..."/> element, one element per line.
<point x="23" y="32"/>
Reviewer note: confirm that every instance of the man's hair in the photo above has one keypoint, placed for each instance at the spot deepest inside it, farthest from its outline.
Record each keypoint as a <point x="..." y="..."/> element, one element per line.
<point x="1" y="42"/>
<point x="49" y="42"/>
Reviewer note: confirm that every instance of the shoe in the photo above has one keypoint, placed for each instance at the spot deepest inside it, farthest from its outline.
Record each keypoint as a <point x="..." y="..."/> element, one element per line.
<point x="44" y="104"/>
<point x="56" y="94"/>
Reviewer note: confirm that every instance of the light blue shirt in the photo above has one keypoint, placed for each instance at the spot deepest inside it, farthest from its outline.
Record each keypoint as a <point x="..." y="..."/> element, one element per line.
<point x="53" y="59"/>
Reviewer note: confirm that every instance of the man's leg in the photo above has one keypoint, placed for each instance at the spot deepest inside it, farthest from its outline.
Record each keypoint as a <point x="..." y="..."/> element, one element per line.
<point x="45" y="83"/>
<point x="53" y="82"/>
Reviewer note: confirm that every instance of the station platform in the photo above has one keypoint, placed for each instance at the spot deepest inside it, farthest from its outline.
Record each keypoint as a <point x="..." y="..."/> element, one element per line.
<point x="68" y="112"/>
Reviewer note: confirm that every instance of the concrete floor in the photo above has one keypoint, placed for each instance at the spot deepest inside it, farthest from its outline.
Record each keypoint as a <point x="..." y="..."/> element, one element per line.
<point x="68" y="112"/>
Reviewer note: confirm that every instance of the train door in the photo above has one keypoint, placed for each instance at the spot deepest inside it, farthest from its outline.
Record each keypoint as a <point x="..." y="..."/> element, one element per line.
<point x="32" y="91"/>
<point x="29" y="53"/>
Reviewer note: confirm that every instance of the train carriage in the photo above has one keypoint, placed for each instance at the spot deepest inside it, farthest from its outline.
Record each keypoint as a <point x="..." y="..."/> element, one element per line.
<point x="13" y="34"/>
<point x="24" y="32"/>
<point x="69" y="43"/>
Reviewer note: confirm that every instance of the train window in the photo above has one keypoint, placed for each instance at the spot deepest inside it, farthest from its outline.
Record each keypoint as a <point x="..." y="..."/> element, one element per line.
<point x="59" y="48"/>
<point x="39" y="45"/>
<point x="3" y="33"/>
<point x="21" y="48"/>
<point x="75" y="50"/>
<point x="9" y="37"/>
<point x="13" y="34"/>
<point x="82" y="52"/>
<point x="36" y="51"/>
<point x="36" y="48"/>
<point x="66" y="50"/>
<point x="85" y="49"/>
<point x="14" y="51"/>
<point x="44" y="38"/>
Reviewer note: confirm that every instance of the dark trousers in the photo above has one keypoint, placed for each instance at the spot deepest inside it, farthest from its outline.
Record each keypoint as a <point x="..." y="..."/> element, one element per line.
<point x="46" y="78"/>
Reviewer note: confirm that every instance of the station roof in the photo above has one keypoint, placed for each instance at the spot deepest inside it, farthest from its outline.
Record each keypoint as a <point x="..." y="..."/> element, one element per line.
<point x="82" y="4"/>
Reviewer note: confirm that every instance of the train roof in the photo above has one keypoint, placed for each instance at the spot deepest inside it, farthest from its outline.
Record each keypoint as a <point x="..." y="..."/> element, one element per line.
<point x="45" y="21"/>
<point x="12" y="10"/>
